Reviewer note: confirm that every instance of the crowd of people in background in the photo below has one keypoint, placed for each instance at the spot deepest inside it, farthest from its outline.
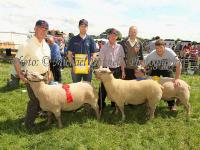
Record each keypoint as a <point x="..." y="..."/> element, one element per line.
<point x="189" y="54"/>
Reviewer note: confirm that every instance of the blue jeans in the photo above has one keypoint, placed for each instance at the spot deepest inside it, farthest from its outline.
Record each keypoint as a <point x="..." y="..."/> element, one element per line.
<point x="78" y="77"/>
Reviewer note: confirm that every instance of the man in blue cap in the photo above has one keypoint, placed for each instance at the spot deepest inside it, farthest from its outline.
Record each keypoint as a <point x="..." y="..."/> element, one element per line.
<point x="35" y="56"/>
<point x="81" y="52"/>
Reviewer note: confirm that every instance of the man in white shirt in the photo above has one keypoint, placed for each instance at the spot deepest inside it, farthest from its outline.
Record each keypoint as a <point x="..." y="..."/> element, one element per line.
<point x="34" y="55"/>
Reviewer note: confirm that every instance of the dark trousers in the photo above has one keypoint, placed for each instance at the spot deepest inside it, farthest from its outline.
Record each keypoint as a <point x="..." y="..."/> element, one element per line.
<point x="130" y="74"/>
<point x="102" y="91"/>
<point x="63" y="60"/>
<point x="56" y="70"/>
<point x="79" y="77"/>
<point x="33" y="107"/>
<point x="164" y="73"/>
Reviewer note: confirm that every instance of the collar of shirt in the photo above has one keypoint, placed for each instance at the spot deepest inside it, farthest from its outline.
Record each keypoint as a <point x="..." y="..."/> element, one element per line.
<point x="112" y="46"/>
<point x="83" y="36"/>
<point x="37" y="41"/>
<point x="132" y="43"/>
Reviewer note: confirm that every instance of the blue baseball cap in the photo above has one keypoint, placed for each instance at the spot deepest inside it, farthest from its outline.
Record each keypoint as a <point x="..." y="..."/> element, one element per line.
<point x="83" y="22"/>
<point x="43" y="24"/>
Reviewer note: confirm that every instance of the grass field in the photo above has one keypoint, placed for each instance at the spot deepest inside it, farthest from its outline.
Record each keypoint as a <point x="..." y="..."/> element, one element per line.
<point x="82" y="131"/>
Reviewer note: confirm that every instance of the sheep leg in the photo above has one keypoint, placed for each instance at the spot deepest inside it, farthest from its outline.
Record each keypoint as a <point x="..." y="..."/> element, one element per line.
<point x="97" y="111"/>
<point x="151" y="110"/>
<point x="148" y="109"/>
<point x="58" y="118"/>
<point x="116" y="109"/>
<point x="49" y="118"/>
<point x="121" y="108"/>
<point x="186" y="106"/>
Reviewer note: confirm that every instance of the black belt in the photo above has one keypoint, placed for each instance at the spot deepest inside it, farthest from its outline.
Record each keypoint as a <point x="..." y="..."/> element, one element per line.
<point x="112" y="69"/>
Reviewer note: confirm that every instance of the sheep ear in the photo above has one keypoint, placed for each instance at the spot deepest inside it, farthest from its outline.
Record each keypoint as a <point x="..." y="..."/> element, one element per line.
<point x="111" y="72"/>
<point x="42" y="77"/>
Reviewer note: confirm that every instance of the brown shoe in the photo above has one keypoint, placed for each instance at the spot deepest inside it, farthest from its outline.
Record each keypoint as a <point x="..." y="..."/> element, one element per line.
<point x="172" y="108"/>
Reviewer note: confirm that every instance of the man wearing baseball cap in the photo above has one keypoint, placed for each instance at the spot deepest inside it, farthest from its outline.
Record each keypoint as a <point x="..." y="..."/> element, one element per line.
<point x="81" y="45"/>
<point x="111" y="56"/>
<point x="35" y="56"/>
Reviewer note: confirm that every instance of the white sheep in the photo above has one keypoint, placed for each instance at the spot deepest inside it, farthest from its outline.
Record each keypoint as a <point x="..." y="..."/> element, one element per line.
<point x="130" y="91"/>
<point x="53" y="99"/>
<point x="181" y="92"/>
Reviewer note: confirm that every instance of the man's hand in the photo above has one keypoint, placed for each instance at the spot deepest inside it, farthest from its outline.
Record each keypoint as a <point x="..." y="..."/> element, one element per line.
<point x="176" y="82"/>
<point x="22" y="77"/>
<point x="49" y="76"/>
<point x="123" y="75"/>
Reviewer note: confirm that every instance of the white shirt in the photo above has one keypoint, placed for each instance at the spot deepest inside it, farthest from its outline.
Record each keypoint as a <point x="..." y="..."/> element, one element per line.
<point x="34" y="55"/>
<point x="132" y="43"/>
<point x="169" y="59"/>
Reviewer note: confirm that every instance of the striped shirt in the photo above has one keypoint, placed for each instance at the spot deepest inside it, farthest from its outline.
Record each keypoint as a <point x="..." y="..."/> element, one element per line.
<point x="111" y="56"/>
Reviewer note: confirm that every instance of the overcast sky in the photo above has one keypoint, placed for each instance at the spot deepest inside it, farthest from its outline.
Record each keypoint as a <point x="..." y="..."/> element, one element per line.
<point x="166" y="18"/>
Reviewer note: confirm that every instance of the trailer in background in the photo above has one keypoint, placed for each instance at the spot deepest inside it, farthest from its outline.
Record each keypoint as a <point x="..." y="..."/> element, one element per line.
<point x="9" y="44"/>
<point x="170" y="43"/>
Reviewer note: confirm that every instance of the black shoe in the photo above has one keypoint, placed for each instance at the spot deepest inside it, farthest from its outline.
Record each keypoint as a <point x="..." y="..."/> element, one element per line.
<point x="102" y="107"/>
<point x="28" y="126"/>
<point x="112" y="104"/>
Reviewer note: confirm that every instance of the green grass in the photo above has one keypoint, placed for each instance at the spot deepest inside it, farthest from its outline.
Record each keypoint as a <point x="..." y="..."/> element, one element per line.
<point x="81" y="131"/>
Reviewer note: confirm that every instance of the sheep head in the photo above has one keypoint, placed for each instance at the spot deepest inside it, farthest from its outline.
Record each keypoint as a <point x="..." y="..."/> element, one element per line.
<point x="102" y="73"/>
<point x="140" y="72"/>
<point x="33" y="76"/>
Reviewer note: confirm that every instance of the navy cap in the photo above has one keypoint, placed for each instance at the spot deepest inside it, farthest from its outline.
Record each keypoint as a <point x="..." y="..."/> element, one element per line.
<point x="42" y="24"/>
<point x="113" y="31"/>
<point x="83" y="22"/>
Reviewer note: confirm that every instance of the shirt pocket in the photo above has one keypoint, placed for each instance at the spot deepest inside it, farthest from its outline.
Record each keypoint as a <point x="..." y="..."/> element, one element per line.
<point x="77" y="47"/>
<point x="87" y="46"/>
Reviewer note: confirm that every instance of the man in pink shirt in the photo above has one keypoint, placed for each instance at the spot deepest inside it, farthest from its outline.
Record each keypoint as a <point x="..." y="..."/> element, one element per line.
<point x="111" y="56"/>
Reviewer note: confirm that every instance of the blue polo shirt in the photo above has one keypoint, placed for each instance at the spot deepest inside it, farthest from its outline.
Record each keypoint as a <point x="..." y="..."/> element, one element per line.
<point x="77" y="45"/>
<point x="55" y="52"/>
